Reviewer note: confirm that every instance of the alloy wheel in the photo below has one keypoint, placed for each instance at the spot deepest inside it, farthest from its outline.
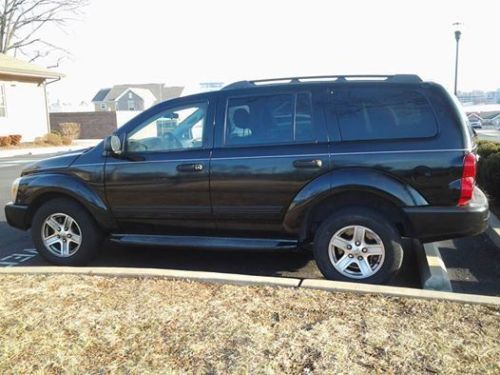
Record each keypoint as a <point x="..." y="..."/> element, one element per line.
<point x="356" y="252"/>
<point x="61" y="235"/>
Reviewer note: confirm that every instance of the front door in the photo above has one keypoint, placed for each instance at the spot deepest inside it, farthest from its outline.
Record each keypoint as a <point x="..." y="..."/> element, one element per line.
<point x="161" y="184"/>
<point x="267" y="148"/>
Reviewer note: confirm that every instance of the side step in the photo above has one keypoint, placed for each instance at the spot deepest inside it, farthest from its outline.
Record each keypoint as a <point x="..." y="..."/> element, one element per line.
<point x="204" y="242"/>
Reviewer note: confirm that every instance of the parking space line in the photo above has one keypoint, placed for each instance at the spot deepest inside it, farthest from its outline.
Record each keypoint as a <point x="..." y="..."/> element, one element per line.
<point x="15" y="259"/>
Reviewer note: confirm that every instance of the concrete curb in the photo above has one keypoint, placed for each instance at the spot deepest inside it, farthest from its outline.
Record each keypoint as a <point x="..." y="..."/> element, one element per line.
<point x="336" y="286"/>
<point x="214" y="277"/>
<point x="433" y="273"/>
<point x="493" y="230"/>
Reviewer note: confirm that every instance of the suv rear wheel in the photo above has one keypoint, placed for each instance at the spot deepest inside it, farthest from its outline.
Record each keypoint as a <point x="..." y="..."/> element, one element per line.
<point x="64" y="233"/>
<point x="358" y="245"/>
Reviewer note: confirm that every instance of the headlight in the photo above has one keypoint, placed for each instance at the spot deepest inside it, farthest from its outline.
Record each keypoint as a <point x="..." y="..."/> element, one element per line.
<point x="13" y="189"/>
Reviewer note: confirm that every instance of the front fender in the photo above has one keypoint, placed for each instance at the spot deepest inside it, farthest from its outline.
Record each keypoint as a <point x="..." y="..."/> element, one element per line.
<point x="349" y="180"/>
<point x="33" y="188"/>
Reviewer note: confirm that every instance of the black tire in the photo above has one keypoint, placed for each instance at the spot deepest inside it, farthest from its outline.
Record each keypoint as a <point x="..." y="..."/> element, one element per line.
<point x="388" y="234"/>
<point x="91" y="235"/>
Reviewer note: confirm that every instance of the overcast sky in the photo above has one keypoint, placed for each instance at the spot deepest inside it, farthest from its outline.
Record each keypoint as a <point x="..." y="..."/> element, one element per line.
<point x="183" y="42"/>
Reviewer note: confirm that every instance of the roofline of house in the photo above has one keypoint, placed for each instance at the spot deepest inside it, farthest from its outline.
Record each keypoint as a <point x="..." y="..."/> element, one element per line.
<point x="30" y="73"/>
<point x="133" y="90"/>
<point x="132" y="87"/>
<point x="103" y="98"/>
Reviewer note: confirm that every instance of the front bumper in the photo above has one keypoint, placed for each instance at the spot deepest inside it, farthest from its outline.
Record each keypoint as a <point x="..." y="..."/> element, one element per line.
<point x="17" y="216"/>
<point x="433" y="223"/>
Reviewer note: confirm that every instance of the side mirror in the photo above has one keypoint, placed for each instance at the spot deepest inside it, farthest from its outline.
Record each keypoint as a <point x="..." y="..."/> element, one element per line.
<point x="113" y="145"/>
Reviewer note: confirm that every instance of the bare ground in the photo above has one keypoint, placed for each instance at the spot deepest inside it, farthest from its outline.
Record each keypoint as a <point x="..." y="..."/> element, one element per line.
<point x="96" y="325"/>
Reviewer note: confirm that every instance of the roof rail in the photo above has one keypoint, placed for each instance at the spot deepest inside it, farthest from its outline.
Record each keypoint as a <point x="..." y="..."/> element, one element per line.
<point x="397" y="78"/>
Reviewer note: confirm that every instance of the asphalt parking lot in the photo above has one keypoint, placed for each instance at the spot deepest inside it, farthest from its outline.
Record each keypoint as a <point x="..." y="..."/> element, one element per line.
<point x="473" y="263"/>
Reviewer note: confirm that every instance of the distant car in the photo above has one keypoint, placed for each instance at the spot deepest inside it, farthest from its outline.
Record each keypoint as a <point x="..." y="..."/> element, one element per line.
<point x="476" y="125"/>
<point x="347" y="165"/>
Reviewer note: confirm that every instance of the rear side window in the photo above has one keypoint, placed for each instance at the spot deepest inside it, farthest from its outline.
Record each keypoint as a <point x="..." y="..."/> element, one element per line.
<point x="270" y="119"/>
<point x="384" y="113"/>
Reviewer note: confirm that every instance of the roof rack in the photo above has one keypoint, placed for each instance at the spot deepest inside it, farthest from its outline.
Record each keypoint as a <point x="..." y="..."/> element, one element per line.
<point x="396" y="78"/>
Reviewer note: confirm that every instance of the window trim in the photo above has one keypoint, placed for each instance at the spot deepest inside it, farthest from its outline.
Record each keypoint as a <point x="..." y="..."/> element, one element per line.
<point x="4" y="96"/>
<point x="294" y="95"/>
<point x="157" y="115"/>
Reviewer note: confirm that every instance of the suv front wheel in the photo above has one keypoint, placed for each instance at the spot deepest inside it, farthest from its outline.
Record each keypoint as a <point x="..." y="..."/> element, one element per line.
<point x="64" y="233"/>
<point x="358" y="245"/>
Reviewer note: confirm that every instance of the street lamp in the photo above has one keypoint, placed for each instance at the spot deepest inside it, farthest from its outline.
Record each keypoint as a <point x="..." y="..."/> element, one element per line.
<point x="458" y="34"/>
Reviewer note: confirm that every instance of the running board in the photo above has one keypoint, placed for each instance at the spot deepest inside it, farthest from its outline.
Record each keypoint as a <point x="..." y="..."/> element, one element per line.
<point x="203" y="242"/>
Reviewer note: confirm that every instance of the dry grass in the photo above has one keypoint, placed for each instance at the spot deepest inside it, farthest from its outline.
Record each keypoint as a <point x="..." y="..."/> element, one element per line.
<point x="73" y="324"/>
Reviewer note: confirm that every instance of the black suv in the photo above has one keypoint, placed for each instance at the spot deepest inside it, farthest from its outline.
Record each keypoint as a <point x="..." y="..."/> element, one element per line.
<point x="349" y="164"/>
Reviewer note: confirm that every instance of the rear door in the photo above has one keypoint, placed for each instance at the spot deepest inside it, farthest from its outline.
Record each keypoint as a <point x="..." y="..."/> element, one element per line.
<point x="267" y="147"/>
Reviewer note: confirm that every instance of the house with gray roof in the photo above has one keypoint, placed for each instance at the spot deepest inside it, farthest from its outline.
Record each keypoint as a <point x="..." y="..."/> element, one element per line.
<point x="134" y="97"/>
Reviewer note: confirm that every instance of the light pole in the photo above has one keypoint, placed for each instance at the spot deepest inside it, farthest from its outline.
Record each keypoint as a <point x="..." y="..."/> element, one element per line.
<point x="458" y="34"/>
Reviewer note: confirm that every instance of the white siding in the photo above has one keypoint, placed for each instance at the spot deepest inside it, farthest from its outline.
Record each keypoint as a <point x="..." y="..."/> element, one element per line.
<point x="26" y="110"/>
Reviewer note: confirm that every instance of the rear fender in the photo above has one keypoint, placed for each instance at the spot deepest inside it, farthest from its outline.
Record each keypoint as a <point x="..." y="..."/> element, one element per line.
<point x="348" y="180"/>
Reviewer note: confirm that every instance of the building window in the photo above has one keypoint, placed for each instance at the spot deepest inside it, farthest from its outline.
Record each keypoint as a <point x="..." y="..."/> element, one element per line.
<point x="3" y="105"/>
<point x="103" y="106"/>
<point x="131" y="105"/>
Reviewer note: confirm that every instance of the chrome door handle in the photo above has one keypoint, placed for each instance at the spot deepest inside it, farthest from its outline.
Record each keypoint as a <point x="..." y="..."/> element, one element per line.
<point x="306" y="163"/>
<point x="195" y="167"/>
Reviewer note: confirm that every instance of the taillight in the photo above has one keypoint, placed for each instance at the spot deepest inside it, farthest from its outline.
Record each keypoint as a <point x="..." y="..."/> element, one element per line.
<point x="468" y="179"/>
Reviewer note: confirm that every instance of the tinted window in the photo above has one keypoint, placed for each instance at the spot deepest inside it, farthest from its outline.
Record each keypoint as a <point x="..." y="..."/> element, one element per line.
<point x="384" y="113"/>
<point x="269" y="119"/>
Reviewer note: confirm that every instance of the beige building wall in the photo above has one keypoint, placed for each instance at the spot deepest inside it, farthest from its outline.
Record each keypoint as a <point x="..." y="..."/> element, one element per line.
<point x="26" y="110"/>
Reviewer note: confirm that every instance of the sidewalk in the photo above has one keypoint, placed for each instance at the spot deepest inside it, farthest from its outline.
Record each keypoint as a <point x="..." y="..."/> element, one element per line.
<point x="77" y="145"/>
<point x="489" y="134"/>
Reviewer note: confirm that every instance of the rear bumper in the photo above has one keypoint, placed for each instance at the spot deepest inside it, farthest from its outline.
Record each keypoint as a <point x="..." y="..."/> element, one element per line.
<point x="432" y="223"/>
<point x="17" y="216"/>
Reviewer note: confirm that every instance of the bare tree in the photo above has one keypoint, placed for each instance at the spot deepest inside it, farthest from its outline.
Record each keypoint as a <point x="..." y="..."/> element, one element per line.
<point x="22" y="23"/>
